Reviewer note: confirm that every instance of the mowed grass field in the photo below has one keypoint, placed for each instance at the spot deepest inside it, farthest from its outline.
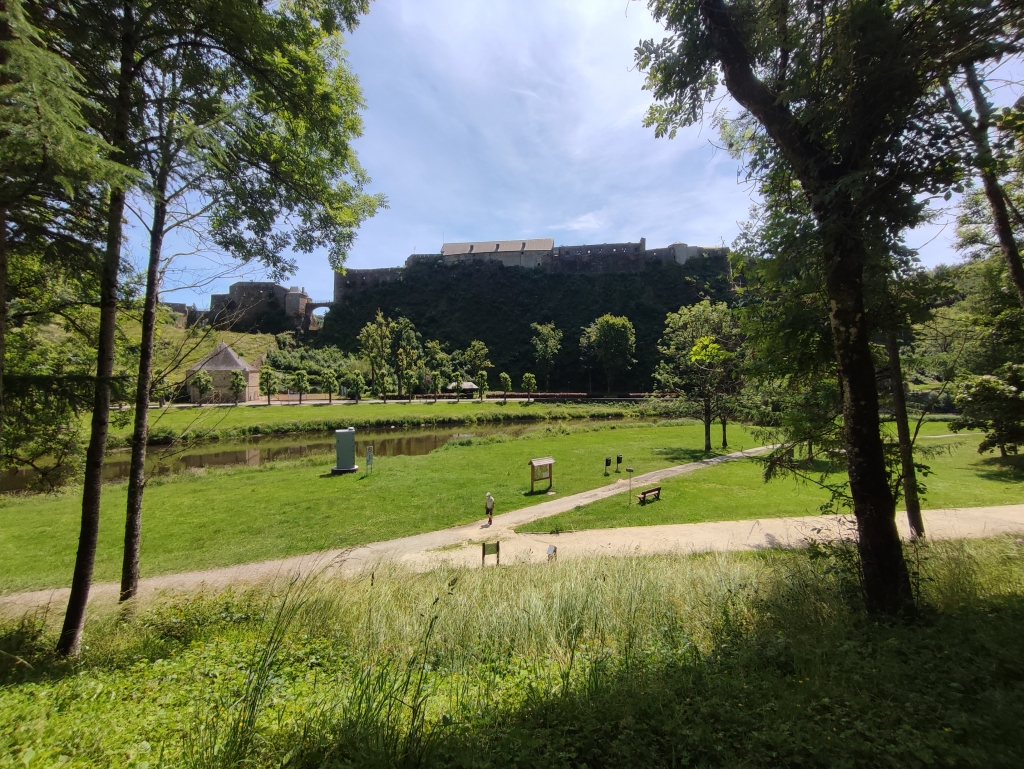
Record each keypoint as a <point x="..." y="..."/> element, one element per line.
<point x="240" y="515"/>
<point x="960" y="477"/>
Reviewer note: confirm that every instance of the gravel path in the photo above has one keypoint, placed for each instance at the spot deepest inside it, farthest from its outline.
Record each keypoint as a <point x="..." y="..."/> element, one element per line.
<point x="460" y="545"/>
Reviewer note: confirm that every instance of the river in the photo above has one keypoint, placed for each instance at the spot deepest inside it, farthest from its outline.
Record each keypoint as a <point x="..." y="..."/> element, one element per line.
<point x="164" y="460"/>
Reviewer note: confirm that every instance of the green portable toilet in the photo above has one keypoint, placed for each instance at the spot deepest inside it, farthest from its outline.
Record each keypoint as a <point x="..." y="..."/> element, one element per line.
<point x="345" y="451"/>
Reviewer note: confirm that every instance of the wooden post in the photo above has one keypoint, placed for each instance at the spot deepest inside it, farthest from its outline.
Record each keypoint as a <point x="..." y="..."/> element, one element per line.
<point x="490" y="548"/>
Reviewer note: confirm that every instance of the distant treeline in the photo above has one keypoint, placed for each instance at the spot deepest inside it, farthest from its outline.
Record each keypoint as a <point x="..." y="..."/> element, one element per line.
<point x="496" y="304"/>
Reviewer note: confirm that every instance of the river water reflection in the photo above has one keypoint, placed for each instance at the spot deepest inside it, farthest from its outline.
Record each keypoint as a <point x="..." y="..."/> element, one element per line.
<point x="165" y="460"/>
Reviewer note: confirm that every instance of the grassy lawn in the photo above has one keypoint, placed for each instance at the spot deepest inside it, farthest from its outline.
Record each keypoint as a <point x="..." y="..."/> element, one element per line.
<point x="242" y="514"/>
<point x="960" y="478"/>
<point x="721" y="660"/>
<point x="226" y="422"/>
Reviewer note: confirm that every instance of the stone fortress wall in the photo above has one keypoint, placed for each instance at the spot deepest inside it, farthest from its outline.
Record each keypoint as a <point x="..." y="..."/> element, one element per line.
<point x="536" y="253"/>
<point x="247" y="302"/>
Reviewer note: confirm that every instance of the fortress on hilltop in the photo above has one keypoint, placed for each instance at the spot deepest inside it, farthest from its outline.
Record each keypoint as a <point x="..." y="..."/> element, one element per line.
<point x="533" y="253"/>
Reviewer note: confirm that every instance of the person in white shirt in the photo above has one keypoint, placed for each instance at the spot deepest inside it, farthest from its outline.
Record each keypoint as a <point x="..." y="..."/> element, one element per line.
<point x="489" y="508"/>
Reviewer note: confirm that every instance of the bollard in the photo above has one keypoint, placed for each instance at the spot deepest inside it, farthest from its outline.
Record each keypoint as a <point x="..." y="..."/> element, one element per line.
<point x="345" y="451"/>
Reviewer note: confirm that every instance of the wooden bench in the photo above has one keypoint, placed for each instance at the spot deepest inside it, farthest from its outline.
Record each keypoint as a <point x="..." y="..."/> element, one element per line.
<point x="644" y="496"/>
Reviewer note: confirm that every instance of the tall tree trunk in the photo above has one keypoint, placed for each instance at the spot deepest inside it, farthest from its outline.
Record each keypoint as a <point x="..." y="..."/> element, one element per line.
<point x="140" y="433"/>
<point x="707" y="425"/>
<point x="74" y="618"/>
<point x="5" y="36"/>
<point x="979" y="128"/>
<point x="899" y="402"/>
<point x="3" y="316"/>
<point x="886" y="579"/>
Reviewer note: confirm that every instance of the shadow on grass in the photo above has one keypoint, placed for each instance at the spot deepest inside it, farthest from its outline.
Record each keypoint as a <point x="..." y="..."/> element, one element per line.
<point x="1008" y="469"/>
<point x="540" y="492"/>
<point x="680" y="455"/>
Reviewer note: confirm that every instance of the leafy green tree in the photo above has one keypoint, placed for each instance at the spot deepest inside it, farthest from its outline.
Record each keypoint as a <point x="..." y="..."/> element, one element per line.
<point x="529" y="384"/>
<point x="375" y="345"/>
<point x="844" y="96"/>
<point x="328" y="384"/>
<point x="698" y="352"/>
<point x="459" y="378"/>
<point x="506" y="385"/>
<point x="547" y="341"/>
<point x="481" y="383"/>
<point x="238" y="385"/>
<point x="53" y="168"/>
<point x="202" y="383"/>
<point x="354" y="382"/>
<point x="273" y="49"/>
<point x="408" y="353"/>
<point x="995" y="404"/>
<point x="611" y="341"/>
<point x="475" y="357"/>
<point x="300" y="383"/>
<point x="435" y="384"/>
<point x="270" y="382"/>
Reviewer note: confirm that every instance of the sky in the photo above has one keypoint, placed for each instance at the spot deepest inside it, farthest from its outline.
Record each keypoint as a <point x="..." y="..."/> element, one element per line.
<point x="524" y="119"/>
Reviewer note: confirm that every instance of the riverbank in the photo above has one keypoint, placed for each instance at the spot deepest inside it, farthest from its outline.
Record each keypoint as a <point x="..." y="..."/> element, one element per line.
<point x="221" y="517"/>
<point x="207" y="424"/>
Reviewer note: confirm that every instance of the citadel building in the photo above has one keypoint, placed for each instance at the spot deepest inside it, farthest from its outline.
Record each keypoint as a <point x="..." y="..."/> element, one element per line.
<point x="532" y="253"/>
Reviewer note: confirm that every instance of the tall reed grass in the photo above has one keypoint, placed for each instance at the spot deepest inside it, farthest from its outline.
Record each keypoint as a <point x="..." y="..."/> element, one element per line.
<point x="759" y="659"/>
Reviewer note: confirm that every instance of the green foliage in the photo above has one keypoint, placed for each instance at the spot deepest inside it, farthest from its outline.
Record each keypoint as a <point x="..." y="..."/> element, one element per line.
<point x="547" y="341"/>
<point x="610" y="341"/>
<point x="697" y="347"/>
<point x="270" y="381"/>
<point x="375" y="347"/>
<point x="456" y="304"/>
<point x="355" y="384"/>
<point x="238" y="384"/>
<point x="202" y="383"/>
<point x="529" y="384"/>
<point x="755" y="659"/>
<point x="408" y="355"/>
<point x="994" y="404"/>
<point x="300" y="383"/>
<point x="506" y="382"/>
<point x="46" y="149"/>
<point x="328" y="382"/>
<point x="47" y="385"/>
<point x="475" y="357"/>
<point x="481" y="382"/>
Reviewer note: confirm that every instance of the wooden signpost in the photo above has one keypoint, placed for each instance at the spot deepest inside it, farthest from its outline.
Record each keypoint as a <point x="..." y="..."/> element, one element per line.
<point x="542" y="469"/>
<point x="490" y="548"/>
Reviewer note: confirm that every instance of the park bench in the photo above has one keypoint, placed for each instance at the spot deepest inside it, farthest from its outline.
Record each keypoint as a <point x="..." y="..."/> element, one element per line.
<point x="643" y="496"/>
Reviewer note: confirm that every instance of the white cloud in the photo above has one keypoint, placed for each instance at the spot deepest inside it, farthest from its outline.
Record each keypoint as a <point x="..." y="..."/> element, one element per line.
<point x="492" y="120"/>
<point x="590" y="222"/>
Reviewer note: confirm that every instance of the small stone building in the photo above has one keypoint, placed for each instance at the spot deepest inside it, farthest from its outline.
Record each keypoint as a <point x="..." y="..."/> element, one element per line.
<point x="220" y="365"/>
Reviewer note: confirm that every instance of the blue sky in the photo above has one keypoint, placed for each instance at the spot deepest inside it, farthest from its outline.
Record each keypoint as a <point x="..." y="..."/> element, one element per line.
<point x="500" y="120"/>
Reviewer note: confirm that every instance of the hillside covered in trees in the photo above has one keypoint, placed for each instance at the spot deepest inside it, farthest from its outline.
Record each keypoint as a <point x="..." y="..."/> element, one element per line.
<point x="496" y="304"/>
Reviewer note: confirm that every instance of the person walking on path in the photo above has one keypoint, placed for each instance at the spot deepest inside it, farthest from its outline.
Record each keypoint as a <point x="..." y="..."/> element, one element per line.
<point x="489" y="508"/>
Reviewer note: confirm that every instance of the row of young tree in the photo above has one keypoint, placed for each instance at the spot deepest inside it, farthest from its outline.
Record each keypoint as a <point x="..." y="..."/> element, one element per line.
<point x="230" y="122"/>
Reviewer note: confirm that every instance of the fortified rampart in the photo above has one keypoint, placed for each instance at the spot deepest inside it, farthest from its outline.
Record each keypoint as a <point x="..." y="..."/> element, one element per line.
<point x="536" y="253"/>
<point x="253" y="305"/>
